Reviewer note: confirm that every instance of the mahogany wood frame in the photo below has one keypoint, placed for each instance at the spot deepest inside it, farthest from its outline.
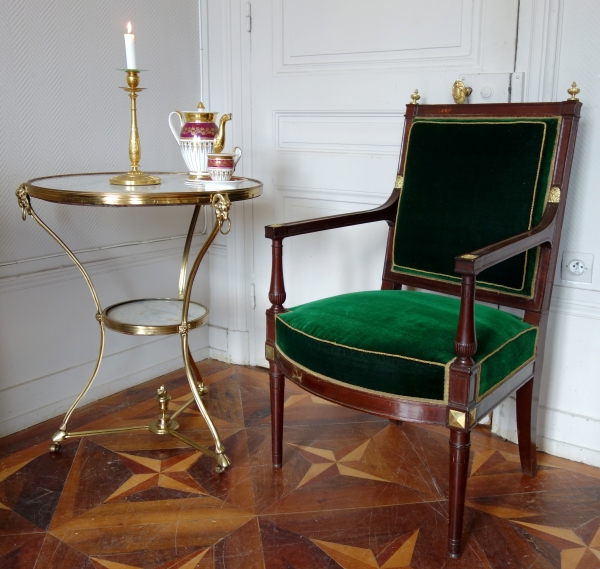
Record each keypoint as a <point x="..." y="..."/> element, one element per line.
<point x="463" y="372"/>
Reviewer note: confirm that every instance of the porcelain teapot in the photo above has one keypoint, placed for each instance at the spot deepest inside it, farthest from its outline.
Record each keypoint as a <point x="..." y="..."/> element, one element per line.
<point x="198" y="135"/>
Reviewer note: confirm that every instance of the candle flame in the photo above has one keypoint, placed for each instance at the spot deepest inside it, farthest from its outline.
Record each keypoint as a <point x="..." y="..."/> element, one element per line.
<point x="128" y="27"/>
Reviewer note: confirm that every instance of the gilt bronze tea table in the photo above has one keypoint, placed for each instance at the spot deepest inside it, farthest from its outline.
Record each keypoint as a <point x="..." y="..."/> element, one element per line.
<point x="148" y="316"/>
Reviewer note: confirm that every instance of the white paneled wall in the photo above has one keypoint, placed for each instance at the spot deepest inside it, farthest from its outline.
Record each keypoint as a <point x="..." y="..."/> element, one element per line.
<point x="569" y="422"/>
<point x="557" y="43"/>
<point x="62" y="111"/>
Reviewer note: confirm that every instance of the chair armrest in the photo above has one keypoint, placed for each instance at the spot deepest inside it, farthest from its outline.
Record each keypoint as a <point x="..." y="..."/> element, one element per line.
<point x="477" y="261"/>
<point x="385" y="212"/>
<point x="470" y="264"/>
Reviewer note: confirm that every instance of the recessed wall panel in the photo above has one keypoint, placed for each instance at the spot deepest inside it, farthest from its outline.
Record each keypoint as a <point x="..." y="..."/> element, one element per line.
<point x="364" y="132"/>
<point x="314" y="32"/>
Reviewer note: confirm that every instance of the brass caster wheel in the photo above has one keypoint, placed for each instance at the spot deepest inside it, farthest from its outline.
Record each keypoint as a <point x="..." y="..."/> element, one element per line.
<point x="54" y="447"/>
<point x="220" y="469"/>
<point x="202" y="389"/>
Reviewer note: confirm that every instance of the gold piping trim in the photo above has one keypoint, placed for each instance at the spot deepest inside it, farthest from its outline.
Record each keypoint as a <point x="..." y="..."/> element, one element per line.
<point x="448" y="120"/>
<point x="508" y="342"/>
<point x="532" y="199"/>
<point x="549" y="188"/>
<point x="366" y="389"/>
<point x="480" y="397"/>
<point x="356" y="349"/>
<point x="495" y="386"/>
<point x="446" y="366"/>
<point x="457" y="280"/>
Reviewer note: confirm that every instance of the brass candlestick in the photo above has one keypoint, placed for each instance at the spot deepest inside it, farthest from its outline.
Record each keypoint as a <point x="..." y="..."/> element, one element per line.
<point x="134" y="177"/>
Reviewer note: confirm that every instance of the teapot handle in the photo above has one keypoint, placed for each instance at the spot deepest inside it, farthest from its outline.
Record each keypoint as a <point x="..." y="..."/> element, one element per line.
<point x="176" y="131"/>
<point x="238" y="154"/>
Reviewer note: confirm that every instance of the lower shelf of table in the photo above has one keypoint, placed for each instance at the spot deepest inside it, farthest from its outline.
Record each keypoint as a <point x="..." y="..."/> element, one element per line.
<point x="152" y="316"/>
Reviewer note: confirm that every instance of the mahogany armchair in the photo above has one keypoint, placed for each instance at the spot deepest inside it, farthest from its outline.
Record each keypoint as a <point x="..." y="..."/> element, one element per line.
<point x="476" y="214"/>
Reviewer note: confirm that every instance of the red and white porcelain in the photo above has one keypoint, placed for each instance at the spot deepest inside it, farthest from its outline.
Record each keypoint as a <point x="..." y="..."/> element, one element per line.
<point x="222" y="165"/>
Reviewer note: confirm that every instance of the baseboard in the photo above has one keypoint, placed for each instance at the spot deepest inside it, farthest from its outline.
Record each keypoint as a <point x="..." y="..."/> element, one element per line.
<point x="158" y="357"/>
<point x="569" y="451"/>
<point x="220" y="355"/>
<point x="552" y="424"/>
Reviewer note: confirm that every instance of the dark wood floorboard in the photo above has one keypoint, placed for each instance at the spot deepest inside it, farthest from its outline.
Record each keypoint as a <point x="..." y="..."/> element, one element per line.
<point x="355" y="491"/>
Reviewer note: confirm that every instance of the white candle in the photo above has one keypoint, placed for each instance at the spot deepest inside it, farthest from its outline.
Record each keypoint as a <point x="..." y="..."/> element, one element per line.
<point x="130" y="48"/>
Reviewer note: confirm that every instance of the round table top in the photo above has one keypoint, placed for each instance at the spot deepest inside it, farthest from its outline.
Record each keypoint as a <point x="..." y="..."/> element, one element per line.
<point x="96" y="189"/>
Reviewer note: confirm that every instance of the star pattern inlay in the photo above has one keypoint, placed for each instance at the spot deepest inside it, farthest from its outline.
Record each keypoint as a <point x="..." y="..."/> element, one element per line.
<point x="186" y="562"/>
<point x="398" y="555"/>
<point x="167" y="473"/>
<point x="574" y="552"/>
<point x="324" y="461"/>
<point x="355" y="492"/>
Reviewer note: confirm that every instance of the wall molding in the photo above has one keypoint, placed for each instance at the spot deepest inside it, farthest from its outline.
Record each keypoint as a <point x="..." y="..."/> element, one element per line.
<point x="330" y="194"/>
<point x="355" y="132"/>
<point x="467" y="56"/>
<point x="581" y="309"/>
<point x="51" y="270"/>
<point x="539" y="39"/>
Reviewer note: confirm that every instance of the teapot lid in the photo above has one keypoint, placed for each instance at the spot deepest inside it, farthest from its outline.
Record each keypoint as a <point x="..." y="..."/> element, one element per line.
<point x="202" y="110"/>
<point x="200" y="114"/>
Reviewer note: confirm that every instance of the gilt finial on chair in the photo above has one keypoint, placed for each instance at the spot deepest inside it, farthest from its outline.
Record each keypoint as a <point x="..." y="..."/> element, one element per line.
<point x="573" y="91"/>
<point x="415" y="97"/>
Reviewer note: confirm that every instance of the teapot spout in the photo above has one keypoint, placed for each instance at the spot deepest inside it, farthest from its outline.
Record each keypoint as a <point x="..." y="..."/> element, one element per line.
<point x="220" y="138"/>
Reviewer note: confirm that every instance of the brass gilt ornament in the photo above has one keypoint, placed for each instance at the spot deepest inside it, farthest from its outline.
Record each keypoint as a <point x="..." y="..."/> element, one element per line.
<point x="134" y="177"/>
<point x="460" y="92"/>
<point x="573" y="91"/>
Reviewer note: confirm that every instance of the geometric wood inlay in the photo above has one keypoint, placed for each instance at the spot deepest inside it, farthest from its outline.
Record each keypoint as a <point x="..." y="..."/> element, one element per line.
<point x="355" y="491"/>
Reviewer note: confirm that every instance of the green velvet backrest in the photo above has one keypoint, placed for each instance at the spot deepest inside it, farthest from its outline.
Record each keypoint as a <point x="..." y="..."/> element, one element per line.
<point x="468" y="183"/>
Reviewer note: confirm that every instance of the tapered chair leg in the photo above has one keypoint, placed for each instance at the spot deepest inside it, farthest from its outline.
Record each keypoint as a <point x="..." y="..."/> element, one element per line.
<point x="527" y="409"/>
<point x="277" y="381"/>
<point x="460" y="444"/>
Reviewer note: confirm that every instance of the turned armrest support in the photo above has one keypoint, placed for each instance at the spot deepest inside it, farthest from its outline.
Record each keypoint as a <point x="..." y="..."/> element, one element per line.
<point x="469" y="265"/>
<point x="385" y="212"/>
<point x="465" y="344"/>
<point x="477" y="261"/>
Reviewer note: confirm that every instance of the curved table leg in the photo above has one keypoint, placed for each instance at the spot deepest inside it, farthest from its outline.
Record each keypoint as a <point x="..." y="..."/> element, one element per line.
<point x="182" y="282"/>
<point x="25" y="203"/>
<point x="221" y="204"/>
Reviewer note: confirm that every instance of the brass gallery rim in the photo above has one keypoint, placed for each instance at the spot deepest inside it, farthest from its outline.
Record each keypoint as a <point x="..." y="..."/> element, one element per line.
<point x="124" y="196"/>
<point x="150" y="329"/>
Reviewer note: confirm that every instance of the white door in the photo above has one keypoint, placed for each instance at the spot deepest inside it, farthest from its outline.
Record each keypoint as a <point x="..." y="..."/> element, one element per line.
<point x="330" y="80"/>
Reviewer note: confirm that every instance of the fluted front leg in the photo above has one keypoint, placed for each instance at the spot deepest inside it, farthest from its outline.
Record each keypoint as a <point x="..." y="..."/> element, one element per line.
<point x="463" y="374"/>
<point x="460" y="444"/>
<point x="277" y="379"/>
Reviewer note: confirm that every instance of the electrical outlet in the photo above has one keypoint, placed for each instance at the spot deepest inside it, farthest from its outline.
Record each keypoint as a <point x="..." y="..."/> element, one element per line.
<point x="577" y="267"/>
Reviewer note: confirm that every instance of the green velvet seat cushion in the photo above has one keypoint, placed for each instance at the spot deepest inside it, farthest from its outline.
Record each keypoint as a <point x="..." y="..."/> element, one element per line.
<point x="400" y="342"/>
<point x="468" y="183"/>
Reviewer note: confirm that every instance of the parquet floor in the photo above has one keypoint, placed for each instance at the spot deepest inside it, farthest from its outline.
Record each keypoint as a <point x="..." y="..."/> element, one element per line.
<point x="355" y="492"/>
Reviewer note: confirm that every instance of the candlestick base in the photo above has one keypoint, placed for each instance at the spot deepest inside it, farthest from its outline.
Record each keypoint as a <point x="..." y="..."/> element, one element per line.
<point x="135" y="179"/>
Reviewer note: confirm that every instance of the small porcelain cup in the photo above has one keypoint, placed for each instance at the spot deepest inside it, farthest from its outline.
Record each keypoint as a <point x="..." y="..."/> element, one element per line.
<point x="222" y="165"/>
